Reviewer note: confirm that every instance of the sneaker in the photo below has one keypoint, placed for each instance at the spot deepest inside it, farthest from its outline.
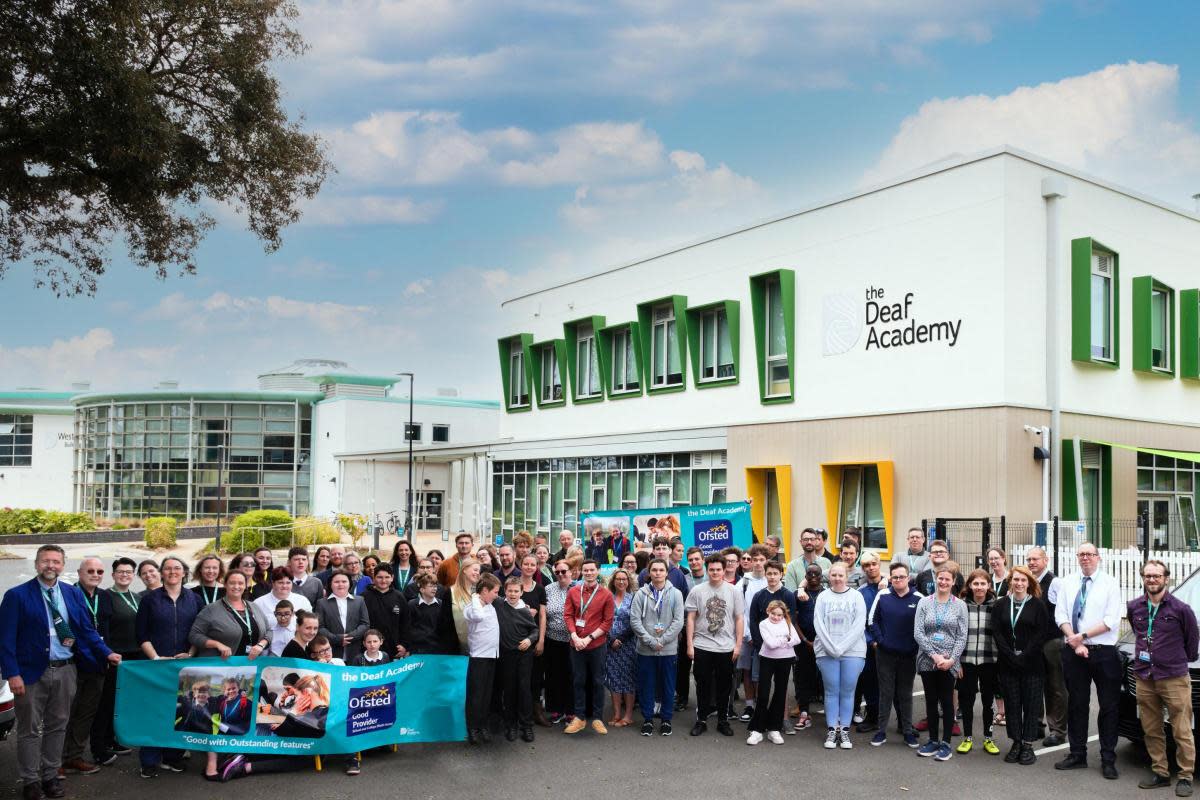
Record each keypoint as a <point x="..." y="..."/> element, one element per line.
<point x="879" y="738"/>
<point x="723" y="728"/>
<point x="172" y="766"/>
<point x="965" y="745"/>
<point x="647" y="728"/>
<point x="107" y="760"/>
<point x="789" y="727"/>
<point x="805" y="721"/>
<point x="1183" y="788"/>
<point x="233" y="768"/>
<point x="665" y="729"/>
<point x="831" y="738"/>
<point x="680" y="705"/>
<point x="922" y="725"/>
<point x="929" y="749"/>
<point x="598" y="727"/>
<point x="912" y="741"/>
<point x="699" y="728"/>
<point x="844" y="740"/>
<point x="747" y="714"/>
<point x="989" y="747"/>
<point x="121" y="750"/>
<point x="148" y="772"/>
<point x="576" y="726"/>
<point x="556" y="718"/>
<point x="944" y="752"/>
<point x="774" y="738"/>
<point x="754" y="738"/>
<point x="858" y="718"/>
<point x="353" y="767"/>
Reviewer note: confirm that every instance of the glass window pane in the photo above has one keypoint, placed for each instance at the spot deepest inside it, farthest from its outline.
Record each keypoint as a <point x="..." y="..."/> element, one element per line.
<point x="1101" y="320"/>
<point x="776" y="342"/>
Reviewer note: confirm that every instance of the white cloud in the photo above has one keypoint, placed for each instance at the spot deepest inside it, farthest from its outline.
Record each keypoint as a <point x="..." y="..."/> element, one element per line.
<point x="221" y="310"/>
<point x="92" y="356"/>
<point x="369" y="209"/>
<point x="1121" y="122"/>
<point x="417" y="288"/>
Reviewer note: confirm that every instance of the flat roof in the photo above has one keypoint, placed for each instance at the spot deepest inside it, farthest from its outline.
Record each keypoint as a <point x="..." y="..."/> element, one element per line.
<point x="174" y="394"/>
<point x="8" y="408"/>
<point x="444" y="402"/>
<point x="945" y="165"/>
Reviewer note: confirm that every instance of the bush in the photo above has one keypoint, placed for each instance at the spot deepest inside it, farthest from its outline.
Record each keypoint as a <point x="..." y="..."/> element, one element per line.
<point x="37" y="520"/>
<point x="160" y="533"/>
<point x="245" y="536"/>
<point x="355" y="525"/>
<point x="312" y="531"/>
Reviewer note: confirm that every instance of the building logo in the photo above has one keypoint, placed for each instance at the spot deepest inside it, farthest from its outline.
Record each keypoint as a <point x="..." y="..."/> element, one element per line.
<point x="713" y="535"/>
<point x="842" y="324"/>
<point x="371" y="708"/>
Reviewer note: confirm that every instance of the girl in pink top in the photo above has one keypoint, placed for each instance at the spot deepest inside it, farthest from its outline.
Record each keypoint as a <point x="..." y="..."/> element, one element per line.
<point x="779" y="639"/>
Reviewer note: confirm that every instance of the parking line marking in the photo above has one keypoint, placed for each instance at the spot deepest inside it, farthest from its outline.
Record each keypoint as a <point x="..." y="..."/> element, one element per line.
<point x="1091" y="739"/>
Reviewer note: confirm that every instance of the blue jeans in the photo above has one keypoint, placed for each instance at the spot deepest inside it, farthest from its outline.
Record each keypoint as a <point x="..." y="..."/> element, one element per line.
<point x="656" y="682"/>
<point x="840" y="676"/>
<point x="153" y="756"/>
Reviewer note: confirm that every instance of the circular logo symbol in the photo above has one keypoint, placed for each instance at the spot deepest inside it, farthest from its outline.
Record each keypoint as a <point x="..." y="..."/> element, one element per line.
<point x="842" y="324"/>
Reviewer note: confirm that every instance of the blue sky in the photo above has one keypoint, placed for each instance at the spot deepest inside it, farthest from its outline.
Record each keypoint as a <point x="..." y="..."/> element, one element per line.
<point x="487" y="147"/>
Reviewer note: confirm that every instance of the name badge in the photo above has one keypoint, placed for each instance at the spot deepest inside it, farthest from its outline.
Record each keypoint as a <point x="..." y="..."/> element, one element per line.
<point x="579" y="623"/>
<point x="939" y="637"/>
<point x="1144" y="657"/>
<point x="658" y="629"/>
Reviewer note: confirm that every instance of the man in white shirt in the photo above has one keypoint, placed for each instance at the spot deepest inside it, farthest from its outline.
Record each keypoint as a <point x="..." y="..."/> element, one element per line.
<point x="1088" y="611"/>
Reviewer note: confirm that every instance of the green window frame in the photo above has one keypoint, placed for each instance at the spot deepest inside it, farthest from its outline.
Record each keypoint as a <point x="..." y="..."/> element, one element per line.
<point x="663" y="338"/>
<point x="1189" y="334"/>
<point x="598" y="358"/>
<point x="1095" y="303"/>
<point x="627" y="337"/>
<point x="550" y="358"/>
<point x="1153" y="327"/>
<point x="516" y="351"/>
<point x="773" y="306"/>
<point x="704" y="339"/>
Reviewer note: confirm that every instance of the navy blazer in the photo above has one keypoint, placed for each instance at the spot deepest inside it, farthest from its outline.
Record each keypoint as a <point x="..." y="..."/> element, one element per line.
<point x="166" y="623"/>
<point x="25" y="632"/>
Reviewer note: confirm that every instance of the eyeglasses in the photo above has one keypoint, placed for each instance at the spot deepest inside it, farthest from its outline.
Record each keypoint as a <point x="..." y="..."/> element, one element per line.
<point x="898" y="578"/>
<point x="1088" y="555"/>
<point x="561" y="571"/>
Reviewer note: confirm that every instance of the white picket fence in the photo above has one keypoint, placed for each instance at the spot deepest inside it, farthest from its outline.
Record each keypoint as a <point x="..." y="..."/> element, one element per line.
<point x="1124" y="565"/>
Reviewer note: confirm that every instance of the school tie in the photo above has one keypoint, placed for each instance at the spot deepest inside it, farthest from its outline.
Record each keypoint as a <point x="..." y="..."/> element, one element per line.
<point x="62" y="628"/>
<point x="1080" y="602"/>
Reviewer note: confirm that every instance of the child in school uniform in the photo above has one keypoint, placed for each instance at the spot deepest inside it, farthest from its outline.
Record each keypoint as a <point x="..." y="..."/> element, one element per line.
<point x="483" y="644"/>
<point x="372" y="654"/>
<point x="518" y="632"/>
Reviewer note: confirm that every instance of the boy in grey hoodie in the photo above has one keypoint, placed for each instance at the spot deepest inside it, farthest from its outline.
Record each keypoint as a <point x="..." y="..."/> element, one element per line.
<point x="656" y="617"/>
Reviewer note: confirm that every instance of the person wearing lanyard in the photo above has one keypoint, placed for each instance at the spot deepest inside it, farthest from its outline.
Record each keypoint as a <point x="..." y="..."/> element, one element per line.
<point x="230" y="626"/>
<point x="588" y="613"/>
<point x="1167" y="641"/>
<point x="1019" y="629"/>
<point x="90" y="680"/>
<point x="403" y="568"/>
<point x="940" y="628"/>
<point x="210" y="573"/>
<point x="656" y="617"/>
<point x="997" y="571"/>
<point x="916" y="559"/>
<point x="620" y="664"/>
<point x="1088" y="612"/>
<point x="44" y="624"/>
<point x="122" y="638"/>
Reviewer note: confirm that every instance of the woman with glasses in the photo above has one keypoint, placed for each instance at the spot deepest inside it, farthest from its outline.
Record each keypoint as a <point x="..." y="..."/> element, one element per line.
<point x="940" y="629"/>
<point x="210" y="574"/>
<point x="244" y="563"/>
<point x="556" y="659"/>
<point x="122" y="638"/>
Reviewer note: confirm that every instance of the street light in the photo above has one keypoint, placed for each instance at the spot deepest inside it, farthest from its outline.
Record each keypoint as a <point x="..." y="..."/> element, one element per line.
<point x="220" y="480"/>
<point x="408" y="433"/>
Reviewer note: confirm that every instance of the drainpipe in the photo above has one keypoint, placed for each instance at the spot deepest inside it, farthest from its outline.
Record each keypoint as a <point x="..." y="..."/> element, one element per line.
<point x="1054" y="189"/>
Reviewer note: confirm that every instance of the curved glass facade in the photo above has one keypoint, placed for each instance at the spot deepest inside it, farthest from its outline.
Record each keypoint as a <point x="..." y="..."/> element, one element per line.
<point x="192" y="456"/>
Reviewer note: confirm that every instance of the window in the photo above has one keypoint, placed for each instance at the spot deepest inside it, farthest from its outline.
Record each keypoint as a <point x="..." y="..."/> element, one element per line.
<point x="666" y="365"/>
<point x="1091" y="471"/>
<point x="716" y="351"/>
<point x="1153" y="326"/>
<point x="1095" y="303"/>
<point x="412" y="432"/>
<point x="587" y="363"/>
<point x="773" y="301"/>
<point x="16" y="440"/>
<point x="861" y="505"/>
<point x="624" y="362"/>
<point x="774" y="515"/>
<point x="441" y="433"/>
<point x="550" y="389"/>
<point x="778" y="370"/>
<point x="518" y="388"/>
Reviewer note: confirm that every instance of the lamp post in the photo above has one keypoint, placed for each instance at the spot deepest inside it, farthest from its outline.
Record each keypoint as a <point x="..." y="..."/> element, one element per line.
<point x="408" y="434"/>
<point x="220" y="480"/>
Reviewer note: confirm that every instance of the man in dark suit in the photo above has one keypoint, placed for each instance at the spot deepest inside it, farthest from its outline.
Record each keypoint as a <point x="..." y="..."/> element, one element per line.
<point x="44" y="625"/>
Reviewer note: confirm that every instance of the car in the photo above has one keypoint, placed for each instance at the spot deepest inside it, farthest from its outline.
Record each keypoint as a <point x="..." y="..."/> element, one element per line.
<point x="1129" y="719"/>
<point x="8" y="710"/>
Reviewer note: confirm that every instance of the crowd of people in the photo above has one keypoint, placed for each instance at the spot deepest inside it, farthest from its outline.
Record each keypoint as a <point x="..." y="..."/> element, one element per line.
<point x="548" y="637"/>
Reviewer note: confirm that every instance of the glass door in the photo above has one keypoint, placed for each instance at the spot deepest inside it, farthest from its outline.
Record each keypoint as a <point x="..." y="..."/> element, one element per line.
<point x="1156" y="513"/>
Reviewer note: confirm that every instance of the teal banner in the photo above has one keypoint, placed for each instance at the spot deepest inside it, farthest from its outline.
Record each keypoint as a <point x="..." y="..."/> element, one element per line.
<point x="289" y="706"/>
<point x="609" y="535"/>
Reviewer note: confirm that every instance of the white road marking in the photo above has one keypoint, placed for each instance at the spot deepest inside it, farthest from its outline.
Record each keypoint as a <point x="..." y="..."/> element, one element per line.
<point x="1064" y="746"/>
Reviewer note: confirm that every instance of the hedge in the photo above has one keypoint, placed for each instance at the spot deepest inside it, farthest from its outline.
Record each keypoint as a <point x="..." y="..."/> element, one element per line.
<point x="302" y="532"/>
<point x="160" y="533"/>
<point x="37" y="520"/>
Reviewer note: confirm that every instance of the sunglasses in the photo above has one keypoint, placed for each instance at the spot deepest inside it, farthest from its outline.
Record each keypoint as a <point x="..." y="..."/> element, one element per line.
<point x="561" y="571"/>
<point x="92" y="571"/>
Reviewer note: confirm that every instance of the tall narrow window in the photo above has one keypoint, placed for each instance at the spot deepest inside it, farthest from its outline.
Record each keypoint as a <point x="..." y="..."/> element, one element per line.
<point x="624" y="362"/>
<point x="778" y="370"/>
<point x="550" y="380"/>
<point x="1160" y="329"/>
<point x="1102" y="306"/>
<point x="665" y="360"/>
<point x="587" y="365"/>
<point x="862" y="504"/>
<point x="518" y="394"/>
<point x="716" y="349"/>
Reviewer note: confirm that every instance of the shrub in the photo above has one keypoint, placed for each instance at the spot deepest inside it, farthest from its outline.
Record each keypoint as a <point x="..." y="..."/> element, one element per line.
<point x="160" y="533"/>
<point x="355" y="525"/>
<point x="312" y="531"/>
<point x="119" y="526"/>
<point x="244" y="536"/>
<point x="37" y="520"/>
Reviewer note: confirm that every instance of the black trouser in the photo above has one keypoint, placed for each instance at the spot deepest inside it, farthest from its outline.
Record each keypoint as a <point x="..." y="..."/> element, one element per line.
<point x="772" y="688"/>
<point x="588" y="666"/>
<point x="481" y="675"/>
<point x="714" y="680"/>
<point x="806" y="676"/>
<point x="516" y="668"/>
<point x="1022" y="703"/>
<point x="939" y="695"/>
<point x="896" y="674"/>
<point x="556" y="659"/>
<point x="868" y="687"/>
<point x="976" y="679"/>
<point x="683" y="673"/>
<point x="538" y="677"/>
<point x="1102" y="667"/>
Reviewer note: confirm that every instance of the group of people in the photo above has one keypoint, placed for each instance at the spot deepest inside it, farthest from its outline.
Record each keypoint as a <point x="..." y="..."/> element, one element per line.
<point x="547" y="636"/>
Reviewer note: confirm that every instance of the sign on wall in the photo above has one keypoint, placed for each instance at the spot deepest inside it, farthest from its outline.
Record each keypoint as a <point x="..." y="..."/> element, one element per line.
<point x="609" y="535"/>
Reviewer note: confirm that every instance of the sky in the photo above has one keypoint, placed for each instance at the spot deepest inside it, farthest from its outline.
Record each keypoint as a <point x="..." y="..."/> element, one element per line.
<point x="484" y="148"/>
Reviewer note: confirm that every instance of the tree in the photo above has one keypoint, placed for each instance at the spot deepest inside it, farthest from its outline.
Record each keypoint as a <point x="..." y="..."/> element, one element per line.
<point x="127" y="119"/>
